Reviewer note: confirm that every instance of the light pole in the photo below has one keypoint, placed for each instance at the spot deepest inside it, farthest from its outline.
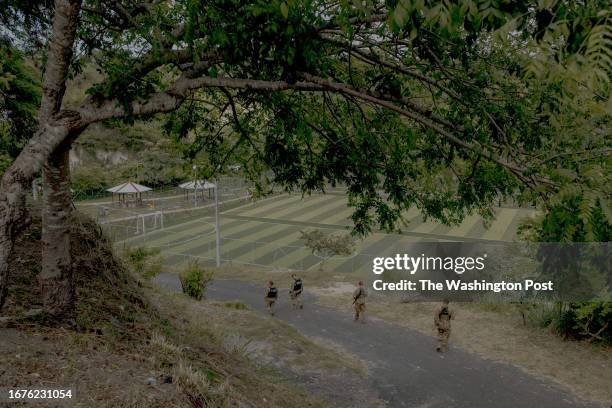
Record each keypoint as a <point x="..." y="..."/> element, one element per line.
<point x="195" y="186"/>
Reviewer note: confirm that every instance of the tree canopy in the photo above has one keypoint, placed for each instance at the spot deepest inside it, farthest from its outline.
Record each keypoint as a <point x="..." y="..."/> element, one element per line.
<point x="19" y="102"/>
<point x="445" y="106"/>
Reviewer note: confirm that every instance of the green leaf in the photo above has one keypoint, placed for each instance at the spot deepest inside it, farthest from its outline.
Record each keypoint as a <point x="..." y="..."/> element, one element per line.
<point x="284" y="10"/>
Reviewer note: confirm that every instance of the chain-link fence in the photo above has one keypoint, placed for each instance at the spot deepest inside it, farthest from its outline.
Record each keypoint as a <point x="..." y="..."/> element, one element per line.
<point x="166" y="209"/>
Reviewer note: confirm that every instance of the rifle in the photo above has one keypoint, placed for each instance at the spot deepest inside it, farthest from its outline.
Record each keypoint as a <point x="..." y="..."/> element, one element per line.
<point x="357" y="297"/>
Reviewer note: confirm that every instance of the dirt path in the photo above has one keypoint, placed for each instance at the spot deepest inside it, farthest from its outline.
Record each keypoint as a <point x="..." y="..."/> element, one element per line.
<point x="404" y="367"/>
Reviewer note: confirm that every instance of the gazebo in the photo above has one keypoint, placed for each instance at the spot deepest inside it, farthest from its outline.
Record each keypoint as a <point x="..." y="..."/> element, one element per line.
<point x="197" y="185"/>
<point x="129" y="193"/>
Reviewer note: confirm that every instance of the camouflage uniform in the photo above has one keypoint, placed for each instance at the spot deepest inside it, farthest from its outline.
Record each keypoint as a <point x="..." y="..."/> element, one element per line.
<point x="270" y="299"/>
<point x="296" y="293"/>
<point x="359" y="303"/>
<point x="442" y="320"/>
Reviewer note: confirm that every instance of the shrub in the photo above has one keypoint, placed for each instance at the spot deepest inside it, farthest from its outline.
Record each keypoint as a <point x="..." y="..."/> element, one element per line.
<point x="195" y="279"/>
<point x="144" y="261"/>
<point x="540" y="314"/>
<point x="565" y="324"/>
<point x="588" y="321"/>
<point x="327" y="246"/>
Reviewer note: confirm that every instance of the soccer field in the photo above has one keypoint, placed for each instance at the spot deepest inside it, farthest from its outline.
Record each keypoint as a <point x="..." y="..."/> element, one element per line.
<point x="267" y="233"/>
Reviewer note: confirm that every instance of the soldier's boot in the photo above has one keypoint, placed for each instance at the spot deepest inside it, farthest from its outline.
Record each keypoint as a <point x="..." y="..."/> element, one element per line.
<point x="439" y="348"/>
<point x="443" y="346"/>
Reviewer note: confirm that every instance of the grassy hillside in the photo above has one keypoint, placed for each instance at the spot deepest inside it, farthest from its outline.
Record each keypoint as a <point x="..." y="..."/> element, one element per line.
<point x="128" y="345"/>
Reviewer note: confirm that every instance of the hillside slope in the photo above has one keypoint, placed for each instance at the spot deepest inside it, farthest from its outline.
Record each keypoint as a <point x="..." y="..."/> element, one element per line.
<point x="121" y="350"/>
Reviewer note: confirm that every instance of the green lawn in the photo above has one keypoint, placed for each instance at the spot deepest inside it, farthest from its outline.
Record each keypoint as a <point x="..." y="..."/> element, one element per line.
<point x="267" y="233"/>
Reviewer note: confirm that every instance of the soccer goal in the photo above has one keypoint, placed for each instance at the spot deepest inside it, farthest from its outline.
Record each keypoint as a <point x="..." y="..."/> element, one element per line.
<point x="149" y="222"/>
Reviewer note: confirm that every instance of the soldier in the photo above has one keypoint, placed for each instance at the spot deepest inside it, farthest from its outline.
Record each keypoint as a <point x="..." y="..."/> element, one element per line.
<point x="271" y="297"/>
<point x="442" y="320"/>
<point x="296" y="292"/>
<point x="359" y="296"/>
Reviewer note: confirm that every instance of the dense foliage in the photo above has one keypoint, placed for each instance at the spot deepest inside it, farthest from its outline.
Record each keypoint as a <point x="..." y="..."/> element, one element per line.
<point x="19" y="101"/>
<point x="494" y="112"/>
<point x="446" y="106"/>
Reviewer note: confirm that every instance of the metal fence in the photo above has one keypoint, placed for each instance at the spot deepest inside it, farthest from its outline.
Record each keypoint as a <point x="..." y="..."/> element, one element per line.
<point x="163" y="211"/>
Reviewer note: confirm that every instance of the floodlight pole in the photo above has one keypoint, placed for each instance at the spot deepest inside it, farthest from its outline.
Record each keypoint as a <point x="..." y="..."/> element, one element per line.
<point x="217" y="228"/>
<point x="195" y="186"/>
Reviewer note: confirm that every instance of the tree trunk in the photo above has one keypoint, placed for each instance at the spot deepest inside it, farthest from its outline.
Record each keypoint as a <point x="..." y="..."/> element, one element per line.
<point x="56" y="278"/>
<point x="20" y="174"/>
<point x="41" y="149"/>
<point x="12" y="219"/>
<point x="56" y="283"/>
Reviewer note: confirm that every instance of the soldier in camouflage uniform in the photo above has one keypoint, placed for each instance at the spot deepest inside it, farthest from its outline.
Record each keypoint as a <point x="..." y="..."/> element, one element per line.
<point x="296" y="292"/>
<point x="442" y="320"/>
<point x="359" y="296"/>
<point x="270" y="298"/>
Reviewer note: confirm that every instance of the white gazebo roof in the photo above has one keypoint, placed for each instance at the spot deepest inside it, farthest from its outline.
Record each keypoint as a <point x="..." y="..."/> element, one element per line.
<point x="129" y="188"/>
<point x="197" y="185"/>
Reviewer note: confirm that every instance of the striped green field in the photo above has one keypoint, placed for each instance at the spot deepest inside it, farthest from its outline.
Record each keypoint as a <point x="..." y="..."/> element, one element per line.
<point x="267" y="233"/>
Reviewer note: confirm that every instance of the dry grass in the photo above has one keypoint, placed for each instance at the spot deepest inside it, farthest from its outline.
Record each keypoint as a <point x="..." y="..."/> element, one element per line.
<point x="499" y="335"/>
<point x="278" y="350"/>
<point x="210" y="371"/>
<point x="58" y="358"/>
